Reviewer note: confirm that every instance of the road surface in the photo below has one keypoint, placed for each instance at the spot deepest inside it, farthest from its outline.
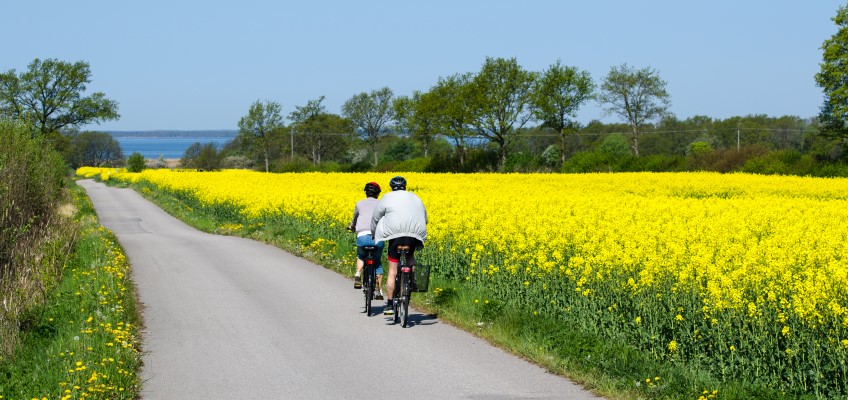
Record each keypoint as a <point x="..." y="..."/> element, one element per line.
<point x="232" y="318"/>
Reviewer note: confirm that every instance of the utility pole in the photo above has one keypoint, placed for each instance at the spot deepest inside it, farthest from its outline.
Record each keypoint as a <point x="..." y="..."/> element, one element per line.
<point x="292" y="142"/>
<point x="738" y="147"/>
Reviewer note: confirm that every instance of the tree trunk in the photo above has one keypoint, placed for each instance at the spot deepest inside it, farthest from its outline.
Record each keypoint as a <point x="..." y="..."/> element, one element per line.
<point x="634" y="142"/>
<point x="562" y="146"/>
<point x="267" y="167"/>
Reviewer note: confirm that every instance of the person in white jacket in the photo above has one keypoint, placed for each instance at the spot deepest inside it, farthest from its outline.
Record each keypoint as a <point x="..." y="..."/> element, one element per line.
<point x="400" y="218"/>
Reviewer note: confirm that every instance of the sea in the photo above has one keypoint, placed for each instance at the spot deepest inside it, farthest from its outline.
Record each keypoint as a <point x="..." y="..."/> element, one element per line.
<point x="166" y="147"/>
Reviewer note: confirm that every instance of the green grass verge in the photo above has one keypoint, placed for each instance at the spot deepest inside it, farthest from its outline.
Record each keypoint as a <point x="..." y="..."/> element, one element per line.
<point x="83" y="342"/>
<point x="609" y="367"/>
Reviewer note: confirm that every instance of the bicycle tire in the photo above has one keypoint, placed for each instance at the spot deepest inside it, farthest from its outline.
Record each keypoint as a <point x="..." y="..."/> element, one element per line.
<point x="404" y="311"/>
<point x="403" y="303"/>
<point x="369" y="294"/>
<point x="368" y="288"/>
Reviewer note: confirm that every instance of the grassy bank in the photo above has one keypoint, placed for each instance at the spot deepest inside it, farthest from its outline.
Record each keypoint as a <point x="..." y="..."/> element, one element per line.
<point x="610" y="366"/>
<point x="82" y="342"/>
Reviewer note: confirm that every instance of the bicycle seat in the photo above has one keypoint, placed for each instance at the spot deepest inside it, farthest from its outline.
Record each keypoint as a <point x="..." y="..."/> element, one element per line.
<point x="369" y="248"/>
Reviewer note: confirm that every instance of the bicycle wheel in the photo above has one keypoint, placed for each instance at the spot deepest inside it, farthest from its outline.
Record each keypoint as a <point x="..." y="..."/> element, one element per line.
<point x="368" y="289"/>
<point x="369" y="293"/>
<point x="403" y="302"/>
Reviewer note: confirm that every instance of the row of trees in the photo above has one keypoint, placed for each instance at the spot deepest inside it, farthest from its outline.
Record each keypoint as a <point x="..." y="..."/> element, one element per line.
<point x="495" y="104"/>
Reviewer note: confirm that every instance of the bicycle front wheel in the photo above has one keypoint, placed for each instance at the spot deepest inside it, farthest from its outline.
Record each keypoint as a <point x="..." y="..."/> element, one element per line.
<point x="369" y="294"/>
<point x="404" y="311"/>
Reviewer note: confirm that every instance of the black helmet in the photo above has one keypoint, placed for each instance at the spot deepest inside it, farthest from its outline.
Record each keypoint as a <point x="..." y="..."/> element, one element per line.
<point x="398" y="183"/>
<point x="372" y="189"/>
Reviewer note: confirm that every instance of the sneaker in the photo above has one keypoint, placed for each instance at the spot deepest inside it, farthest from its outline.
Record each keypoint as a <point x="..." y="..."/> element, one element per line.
<point x="389" y="310"/>
<point x="378" y="296"/>
<point x="357" y="282"/>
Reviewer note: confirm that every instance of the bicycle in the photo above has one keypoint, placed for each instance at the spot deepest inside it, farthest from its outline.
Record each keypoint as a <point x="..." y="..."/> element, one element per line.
<point x="369" y="277"/>
<point x="405" y="284"/>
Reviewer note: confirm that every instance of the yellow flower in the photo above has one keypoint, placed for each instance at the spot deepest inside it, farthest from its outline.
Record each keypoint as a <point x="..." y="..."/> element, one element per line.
<point x="672" y="346"/>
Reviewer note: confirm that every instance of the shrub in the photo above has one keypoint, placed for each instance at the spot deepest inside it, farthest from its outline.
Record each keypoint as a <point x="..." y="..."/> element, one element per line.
<point x="135" y="162"/>
<point x="237" y="162"/>
<point x="419" y="164"/>
<point x="520" y="162"/>
<point x="296" y="164"/>
<point x="726" y="160"/>
<point x="699" y="147"/>
<point x="34" y="235"/>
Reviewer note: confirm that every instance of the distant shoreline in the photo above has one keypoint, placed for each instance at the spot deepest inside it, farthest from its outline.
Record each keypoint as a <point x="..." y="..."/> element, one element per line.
<point x="229" y="133"/>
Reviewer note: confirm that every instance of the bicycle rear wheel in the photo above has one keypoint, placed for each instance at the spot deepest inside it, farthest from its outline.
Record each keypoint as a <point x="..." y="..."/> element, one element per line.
<point x="368" y="289"/>
<point x="403" y="302"/>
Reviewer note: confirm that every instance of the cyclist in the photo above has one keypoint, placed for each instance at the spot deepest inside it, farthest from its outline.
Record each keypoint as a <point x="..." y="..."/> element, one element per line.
<point x="361" y="224"/>
<point x="401" y="219"/>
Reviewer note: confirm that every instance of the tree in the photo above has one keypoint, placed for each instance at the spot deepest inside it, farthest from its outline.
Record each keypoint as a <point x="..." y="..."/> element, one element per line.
<point x="322" y="135"/>
<point x="833" y="79"/>
<point x="93" y="149"/>
<point x="500" y="101"/>
<point x="135" y="162"/>
<point x="419" y="115"/>
<point x="49" y="95"/>
<point x="260" y="130"/>
<point x="557" y="95"/>
<point x="637" y="96"/>
<point x="204" y="157"/>
<point x="371" y="112"/>
<point x="450" y="97"/>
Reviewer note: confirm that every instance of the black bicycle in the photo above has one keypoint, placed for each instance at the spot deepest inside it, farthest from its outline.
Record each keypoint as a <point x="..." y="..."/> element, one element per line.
<point x="369" y="278"/>
<point x="407" y="281"/>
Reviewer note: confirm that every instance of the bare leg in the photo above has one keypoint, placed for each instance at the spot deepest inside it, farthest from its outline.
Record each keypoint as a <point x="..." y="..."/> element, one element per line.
<point x="380" y="283"/>
<point x="359" y="265"/>
<point x="390" y="280"/>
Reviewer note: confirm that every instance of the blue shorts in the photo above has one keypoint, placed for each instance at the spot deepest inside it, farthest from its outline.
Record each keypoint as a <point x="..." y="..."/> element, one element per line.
<point x="366" y="240"/>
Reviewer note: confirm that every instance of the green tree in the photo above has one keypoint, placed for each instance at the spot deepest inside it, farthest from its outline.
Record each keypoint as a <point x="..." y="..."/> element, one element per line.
<point x="371" y="112"/>
<point x="135" y="162"/>
<point x="49" y="95"/>
<point x="500" y="101"/>
<point x="419" y="115"/>
<point x="450" y="97"/>
<point x="637" y="96"/>
<point x="261" y="129"/>
<point x="93" y="149"/>
<point x="557" y="95"/>
<point x="204" y="157"/>
<point x="320" y="134"/>
<point x="833" y="79"/>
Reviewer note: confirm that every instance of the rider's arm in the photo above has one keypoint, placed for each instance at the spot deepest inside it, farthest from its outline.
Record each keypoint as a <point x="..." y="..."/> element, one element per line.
<point x="352" y="225"/>
<point x="379" y="211"/>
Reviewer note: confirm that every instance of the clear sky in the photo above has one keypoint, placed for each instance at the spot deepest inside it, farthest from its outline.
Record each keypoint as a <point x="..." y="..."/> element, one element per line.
<point x="196" y="65"/>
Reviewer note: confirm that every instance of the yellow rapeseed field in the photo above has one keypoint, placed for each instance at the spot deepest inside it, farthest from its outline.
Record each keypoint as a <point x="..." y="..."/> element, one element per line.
<point x="746" y="273"/>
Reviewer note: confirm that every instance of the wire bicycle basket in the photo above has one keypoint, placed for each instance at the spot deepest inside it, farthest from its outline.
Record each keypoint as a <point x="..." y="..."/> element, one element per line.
<point x="422" y="277"/>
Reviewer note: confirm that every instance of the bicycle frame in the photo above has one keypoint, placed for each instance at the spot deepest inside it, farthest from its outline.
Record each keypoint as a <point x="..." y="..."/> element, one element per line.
<point x="369" y="277"/>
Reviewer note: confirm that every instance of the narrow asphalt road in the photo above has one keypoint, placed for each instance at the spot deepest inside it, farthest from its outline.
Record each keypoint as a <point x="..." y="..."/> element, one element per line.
<point x="231" y="318"/>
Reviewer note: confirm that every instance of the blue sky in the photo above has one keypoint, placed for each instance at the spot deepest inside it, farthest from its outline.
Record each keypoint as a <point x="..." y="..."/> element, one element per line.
<point x="195" y="65"/>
